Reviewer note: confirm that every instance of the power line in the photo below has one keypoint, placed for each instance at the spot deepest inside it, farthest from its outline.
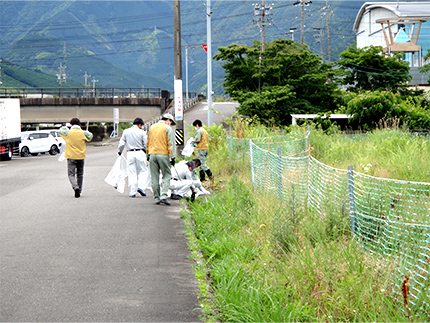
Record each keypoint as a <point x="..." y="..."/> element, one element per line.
<point x="115" y="53"/>
<point x="224" y="38"/>
<point x="45" y="46"/>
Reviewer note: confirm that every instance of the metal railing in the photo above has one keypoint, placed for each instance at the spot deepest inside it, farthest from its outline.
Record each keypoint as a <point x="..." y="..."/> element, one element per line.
<point x="108" y="92"/>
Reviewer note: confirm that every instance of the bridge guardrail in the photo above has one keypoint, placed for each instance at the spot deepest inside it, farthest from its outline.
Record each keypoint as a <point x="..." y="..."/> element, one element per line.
<point x="85" y="92"/>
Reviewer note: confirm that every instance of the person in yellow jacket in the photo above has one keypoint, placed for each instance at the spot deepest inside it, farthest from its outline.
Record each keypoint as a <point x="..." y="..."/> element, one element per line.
<point x="201" y="141"/>
<point x="161" y="152"/>
<point x="75" y="153"/>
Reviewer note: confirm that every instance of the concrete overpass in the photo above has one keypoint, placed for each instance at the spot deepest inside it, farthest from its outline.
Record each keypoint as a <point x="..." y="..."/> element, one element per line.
<point x="61" y="110"/>
<point x="59" y="105"/>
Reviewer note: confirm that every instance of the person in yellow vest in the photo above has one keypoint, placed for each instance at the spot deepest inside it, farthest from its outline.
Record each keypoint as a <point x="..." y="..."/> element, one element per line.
<point x="75" y="153"/>
<point x="161" y="153"/>
<point x="201" y="141"/>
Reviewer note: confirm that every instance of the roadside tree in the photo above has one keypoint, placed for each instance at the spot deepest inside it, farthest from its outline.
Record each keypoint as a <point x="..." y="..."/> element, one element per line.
<point x="426" y="67"/>
<point x="288" y="79"/>
<point x="369" y="69"/>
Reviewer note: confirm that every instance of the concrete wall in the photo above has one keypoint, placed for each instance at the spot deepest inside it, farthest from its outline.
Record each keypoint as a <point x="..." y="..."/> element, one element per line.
<point x="61" y="110"/>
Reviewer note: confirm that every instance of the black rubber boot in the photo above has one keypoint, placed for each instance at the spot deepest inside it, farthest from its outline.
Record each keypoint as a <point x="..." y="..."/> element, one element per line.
<point x="202" y="176"/>
<point x="209" y="173"/>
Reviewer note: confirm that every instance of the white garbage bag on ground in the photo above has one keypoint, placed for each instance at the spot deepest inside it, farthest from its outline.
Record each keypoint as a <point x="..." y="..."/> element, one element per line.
<point x="188" y="149"/>
<point x="118" y="174"/>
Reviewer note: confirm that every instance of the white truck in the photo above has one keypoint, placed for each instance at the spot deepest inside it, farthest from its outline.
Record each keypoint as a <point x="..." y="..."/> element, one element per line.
<point x="10" y="128"/>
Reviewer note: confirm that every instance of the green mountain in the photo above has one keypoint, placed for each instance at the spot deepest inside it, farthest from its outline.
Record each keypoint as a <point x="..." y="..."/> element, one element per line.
<point x="20" y="76"/>
<point x="130" y="43"/>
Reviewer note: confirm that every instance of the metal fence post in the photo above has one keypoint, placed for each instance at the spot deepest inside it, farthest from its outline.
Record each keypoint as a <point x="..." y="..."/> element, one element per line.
<point x="279" y="173"/>
<point x="351" y="198"/>
<point x="252" y="162"/>
<point x="230" y="147"/>
<point x="306" y="139"/>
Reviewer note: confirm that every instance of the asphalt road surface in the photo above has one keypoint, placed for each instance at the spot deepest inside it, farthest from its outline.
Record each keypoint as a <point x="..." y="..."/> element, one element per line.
<point x="221" y="111"/>
<point x="103" y="257"/>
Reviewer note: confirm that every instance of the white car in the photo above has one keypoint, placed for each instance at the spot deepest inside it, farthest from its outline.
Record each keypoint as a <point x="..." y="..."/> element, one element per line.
<point x="56" y="134"/>
<point x="35" y="142"/>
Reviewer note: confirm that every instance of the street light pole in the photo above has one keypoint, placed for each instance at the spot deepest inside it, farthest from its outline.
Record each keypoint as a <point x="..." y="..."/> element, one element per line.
<point x="186" y="68"/>
<point x="186" y="73"/>
<point x="209" y="59"/>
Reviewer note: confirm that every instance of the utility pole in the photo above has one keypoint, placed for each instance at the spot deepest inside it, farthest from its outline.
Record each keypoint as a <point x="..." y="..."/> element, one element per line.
<point x="86" y="83"/>
<point x="94" y="86"/>
<point x="320" y="39"/>
<point x="61" y="77"/>
<point x="179" y="111"/>
<point x="327" y="19"/>
<point x="263" y="29"/>
<point x="262" y="17"/>
<point x="302" y="4"/>
<point x="302" y="22"/>
<point x="209" y="59"/>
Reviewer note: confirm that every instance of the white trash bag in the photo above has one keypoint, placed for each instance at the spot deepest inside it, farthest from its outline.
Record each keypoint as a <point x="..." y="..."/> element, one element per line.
<point x="62" y="158"/>
<point x="188" y="149"/>
<point x="144" y="181"/>
<point x="118" y="174"/>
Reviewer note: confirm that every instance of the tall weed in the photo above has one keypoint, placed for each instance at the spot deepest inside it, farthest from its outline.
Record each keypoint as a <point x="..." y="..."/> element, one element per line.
<point x="383" y="153"/>
<point x="268" y="260"/>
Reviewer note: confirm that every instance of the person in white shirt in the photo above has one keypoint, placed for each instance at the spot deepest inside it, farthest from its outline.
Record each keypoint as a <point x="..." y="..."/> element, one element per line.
<point x="185" y="180"/>
<point x="135" y="140"/>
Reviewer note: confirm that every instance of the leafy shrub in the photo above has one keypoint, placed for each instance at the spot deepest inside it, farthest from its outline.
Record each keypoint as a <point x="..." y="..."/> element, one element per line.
<point x="369" y="108"/>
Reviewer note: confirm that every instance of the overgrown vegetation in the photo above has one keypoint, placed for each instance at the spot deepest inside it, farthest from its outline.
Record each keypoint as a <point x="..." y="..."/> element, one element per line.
<point x="290" y="79"/>
<point x="371" y="110"/>
<point x="386" y="153"/>
<point x="265" y="260"/>
<point x="293" y="80"/>
<point x="426" y="67"/>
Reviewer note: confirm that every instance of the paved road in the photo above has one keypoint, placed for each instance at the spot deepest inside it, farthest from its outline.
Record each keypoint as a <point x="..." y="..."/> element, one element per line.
<point x="221" y="111"/>
<point x="102" y="257"/>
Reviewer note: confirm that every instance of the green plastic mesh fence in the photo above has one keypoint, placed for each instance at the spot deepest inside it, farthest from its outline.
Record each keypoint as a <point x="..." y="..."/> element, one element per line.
<point x="291" y="145"/>
<point x="285" y="176"/>
<point x="390" y="219"/>
<point x="328" y="189"/>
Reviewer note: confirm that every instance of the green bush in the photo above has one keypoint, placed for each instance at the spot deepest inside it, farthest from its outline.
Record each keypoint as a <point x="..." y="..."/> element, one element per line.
<point x="371" y="110"/>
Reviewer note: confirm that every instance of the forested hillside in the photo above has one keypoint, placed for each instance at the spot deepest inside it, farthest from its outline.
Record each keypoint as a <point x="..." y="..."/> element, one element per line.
<point x="20" y="76"/>
<point x="130" y="43"/>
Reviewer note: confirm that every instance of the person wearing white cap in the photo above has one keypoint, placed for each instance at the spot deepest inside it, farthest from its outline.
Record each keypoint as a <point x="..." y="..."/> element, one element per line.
<point x="161" y="152"/>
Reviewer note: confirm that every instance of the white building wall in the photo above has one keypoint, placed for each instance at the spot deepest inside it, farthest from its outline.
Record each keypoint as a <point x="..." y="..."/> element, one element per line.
<point x="370" y="32"/>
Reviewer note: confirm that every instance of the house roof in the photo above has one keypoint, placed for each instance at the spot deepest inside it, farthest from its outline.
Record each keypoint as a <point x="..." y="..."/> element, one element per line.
<point x="400" y="9"/>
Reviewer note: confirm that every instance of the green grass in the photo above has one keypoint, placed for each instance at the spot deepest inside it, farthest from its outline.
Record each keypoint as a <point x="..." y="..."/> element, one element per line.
<point x="384" y="153"/>
<point x="259" y="259"/>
